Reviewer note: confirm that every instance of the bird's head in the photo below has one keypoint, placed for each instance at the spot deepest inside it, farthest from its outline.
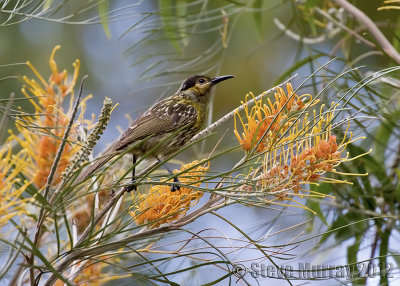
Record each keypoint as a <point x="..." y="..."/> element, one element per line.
<point x="198" y="87"/>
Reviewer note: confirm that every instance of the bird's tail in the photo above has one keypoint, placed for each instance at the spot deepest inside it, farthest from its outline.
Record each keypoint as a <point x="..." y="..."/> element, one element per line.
<point x="94" y="166"/>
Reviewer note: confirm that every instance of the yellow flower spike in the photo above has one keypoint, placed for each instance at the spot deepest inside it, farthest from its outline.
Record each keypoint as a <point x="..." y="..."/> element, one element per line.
<point x="11" y="186"/>
<point x="161" y="205"/>
<point x="50" y="121"/>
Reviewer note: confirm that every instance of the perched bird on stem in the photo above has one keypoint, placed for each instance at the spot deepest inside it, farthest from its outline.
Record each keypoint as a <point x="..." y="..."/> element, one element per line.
<point x="173" y="121"/>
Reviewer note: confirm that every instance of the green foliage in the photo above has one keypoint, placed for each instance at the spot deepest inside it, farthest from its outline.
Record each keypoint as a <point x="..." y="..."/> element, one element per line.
<point x="102" y="7"/>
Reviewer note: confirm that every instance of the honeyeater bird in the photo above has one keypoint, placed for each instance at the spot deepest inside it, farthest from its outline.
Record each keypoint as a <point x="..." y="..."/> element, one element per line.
<point x="173" y="121"/>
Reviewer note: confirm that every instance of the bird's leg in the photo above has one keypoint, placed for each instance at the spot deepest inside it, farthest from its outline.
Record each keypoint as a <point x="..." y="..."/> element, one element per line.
<point x="132" y="187"/>
<point x="176" y="180"/>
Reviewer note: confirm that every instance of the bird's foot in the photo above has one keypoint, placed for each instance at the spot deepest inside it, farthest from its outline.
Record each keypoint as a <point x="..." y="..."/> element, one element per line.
<point x="132" y="187"/>
<point x="175" y="187"/>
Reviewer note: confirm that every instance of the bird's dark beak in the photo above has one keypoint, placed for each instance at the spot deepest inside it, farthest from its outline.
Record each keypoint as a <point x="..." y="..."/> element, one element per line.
<point x="218" y="79"/>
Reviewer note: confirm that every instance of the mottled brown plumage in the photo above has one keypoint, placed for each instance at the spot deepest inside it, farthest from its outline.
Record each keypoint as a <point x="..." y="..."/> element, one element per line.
<point x="183" y="113"/>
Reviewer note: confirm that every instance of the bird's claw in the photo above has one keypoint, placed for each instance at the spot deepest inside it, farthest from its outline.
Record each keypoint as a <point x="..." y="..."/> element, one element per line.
<point x="175" y="187"/>
<point x="132" y="187"/>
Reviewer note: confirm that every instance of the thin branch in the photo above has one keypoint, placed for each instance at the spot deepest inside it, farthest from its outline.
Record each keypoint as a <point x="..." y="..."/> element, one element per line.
<point x="64" y="141"/>
<point x="354" y="32"/>
<point x="345" y="28"/>
<point x="371" y="26"/>
<point x="299" y="38"/>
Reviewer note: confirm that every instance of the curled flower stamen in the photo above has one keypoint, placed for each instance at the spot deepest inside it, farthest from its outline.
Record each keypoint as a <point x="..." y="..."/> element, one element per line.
<point x="268" y="122"/>
<point x="307" y="150"/>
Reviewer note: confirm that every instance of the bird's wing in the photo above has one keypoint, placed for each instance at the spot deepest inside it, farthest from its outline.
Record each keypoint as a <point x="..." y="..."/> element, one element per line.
<point x="164" y="117"/>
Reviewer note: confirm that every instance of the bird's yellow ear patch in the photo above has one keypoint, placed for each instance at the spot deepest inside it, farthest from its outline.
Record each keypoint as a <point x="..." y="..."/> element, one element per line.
<point x="201" y="89"/>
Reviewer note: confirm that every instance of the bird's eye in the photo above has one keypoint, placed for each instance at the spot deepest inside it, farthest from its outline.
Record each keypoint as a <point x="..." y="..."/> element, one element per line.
<point x="202" y="80"/>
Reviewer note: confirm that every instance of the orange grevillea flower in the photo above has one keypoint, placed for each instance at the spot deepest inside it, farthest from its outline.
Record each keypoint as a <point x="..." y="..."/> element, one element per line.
<point x="161" y="205"/>
<point x="312" y="150"/>
<point x="11" y="187"/>
<point x="41" y="133"/>
<point x="269" y="120"/>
